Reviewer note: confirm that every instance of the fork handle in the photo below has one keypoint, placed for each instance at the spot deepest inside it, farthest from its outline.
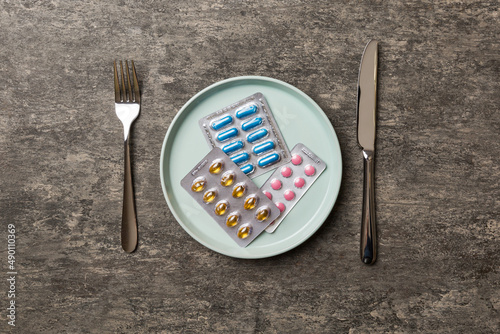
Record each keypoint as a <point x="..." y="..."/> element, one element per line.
<point x="129" y="220"/>
<point x="368" y="225"/>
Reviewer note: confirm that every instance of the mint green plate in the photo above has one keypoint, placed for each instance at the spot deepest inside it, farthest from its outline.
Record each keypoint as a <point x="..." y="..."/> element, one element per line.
<point x="300" y="120"/>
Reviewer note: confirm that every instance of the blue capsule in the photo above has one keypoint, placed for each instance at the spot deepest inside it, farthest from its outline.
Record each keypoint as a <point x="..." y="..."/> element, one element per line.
<point x="222" y="122"/>
<point x="251" y="124"/>
<point x="246" y="111"/>
<point x="264" y="147"/>
<point x="247" y="168"/>
<point x="228" y="134"/>
<point x="254" y="136"/>
<point x="240" y="158"/>
<point x="268" y="160"/>
<point x="233" y="147"/>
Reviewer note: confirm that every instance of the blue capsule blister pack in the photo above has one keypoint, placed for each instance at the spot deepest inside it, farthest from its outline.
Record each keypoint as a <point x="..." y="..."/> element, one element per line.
<point x="247" y="132"/>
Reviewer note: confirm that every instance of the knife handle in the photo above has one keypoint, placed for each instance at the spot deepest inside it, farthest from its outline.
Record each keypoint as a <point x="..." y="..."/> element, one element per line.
<point x="368" y="225"/>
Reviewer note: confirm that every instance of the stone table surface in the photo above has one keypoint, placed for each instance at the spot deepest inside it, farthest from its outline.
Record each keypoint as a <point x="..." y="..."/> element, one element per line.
<point x="437" y="171"/>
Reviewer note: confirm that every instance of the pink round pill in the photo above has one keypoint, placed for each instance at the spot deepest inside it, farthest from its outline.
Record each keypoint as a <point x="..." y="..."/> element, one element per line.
<point x="296" y="159"/>
<point x="289" y="195"/>
<point x="286" y="171"/>
<point x="280" y="206"/>
<point x="268" y="194"/>
<point x="299" y="182"/>
<point x="276" y="184"/>
<point x="309" y="170"/>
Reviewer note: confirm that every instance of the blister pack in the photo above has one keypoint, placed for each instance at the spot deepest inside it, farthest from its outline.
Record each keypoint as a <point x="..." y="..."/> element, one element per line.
<point x="247" y="132"/>
<point x="289" y="183"/>
<point x="230" y="197"/>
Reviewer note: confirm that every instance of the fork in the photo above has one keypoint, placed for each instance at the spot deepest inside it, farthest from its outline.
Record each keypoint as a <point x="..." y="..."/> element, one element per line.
<point x="127" y="106"/>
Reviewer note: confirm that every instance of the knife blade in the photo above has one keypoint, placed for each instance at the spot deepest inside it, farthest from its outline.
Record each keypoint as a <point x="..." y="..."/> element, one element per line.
<point x="366" y="129"/>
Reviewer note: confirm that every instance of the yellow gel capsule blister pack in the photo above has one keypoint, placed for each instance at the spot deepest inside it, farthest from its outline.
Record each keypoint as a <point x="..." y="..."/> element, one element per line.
<point x="228" y="195"/>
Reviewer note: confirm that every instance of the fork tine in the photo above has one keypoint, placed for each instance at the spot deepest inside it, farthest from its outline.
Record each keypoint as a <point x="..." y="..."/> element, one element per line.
<point x="124" y="92"/>
<point x="129" y="91"/>
<point x="137" y="93"/>
<point x="117" y="85"/>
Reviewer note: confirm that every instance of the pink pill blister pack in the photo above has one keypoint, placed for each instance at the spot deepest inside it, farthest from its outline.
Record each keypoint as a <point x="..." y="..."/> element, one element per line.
<point x="228" y="195"/>
<point x="288" y="184"/>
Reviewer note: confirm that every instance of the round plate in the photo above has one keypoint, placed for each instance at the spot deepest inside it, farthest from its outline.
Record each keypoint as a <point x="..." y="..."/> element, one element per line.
<point x="300" y="120"/>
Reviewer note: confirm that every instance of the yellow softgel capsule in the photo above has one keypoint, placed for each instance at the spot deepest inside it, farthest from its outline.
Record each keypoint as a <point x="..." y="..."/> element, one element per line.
<point x="221" y="208"/>
<point x="227" y="179"/>
<point x="216" y="167"/>
<point x="209" y="196"/>
<point x="250" y="202"/>
<point x="262" y="214"/>
<point x="239" y="190"/>
<point x="198" y="185"/>
<point x="233" y="220"/>
<point x="244" y="231"/>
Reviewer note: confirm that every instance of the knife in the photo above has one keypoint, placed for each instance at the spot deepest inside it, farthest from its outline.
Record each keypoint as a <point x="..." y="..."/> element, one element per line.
<point x="366" y="119"/>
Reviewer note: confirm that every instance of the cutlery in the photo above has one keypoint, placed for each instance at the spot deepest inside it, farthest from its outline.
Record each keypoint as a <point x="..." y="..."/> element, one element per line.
<point x="127" y="106"/>
<point x="366" y="119"/>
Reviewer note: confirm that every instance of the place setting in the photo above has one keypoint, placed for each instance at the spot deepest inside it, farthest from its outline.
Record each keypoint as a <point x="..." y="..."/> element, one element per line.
<point x="251" y="166"/>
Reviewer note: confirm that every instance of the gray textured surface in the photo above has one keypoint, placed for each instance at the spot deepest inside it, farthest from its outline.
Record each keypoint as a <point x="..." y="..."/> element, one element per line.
<point x="437" y="169"/>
